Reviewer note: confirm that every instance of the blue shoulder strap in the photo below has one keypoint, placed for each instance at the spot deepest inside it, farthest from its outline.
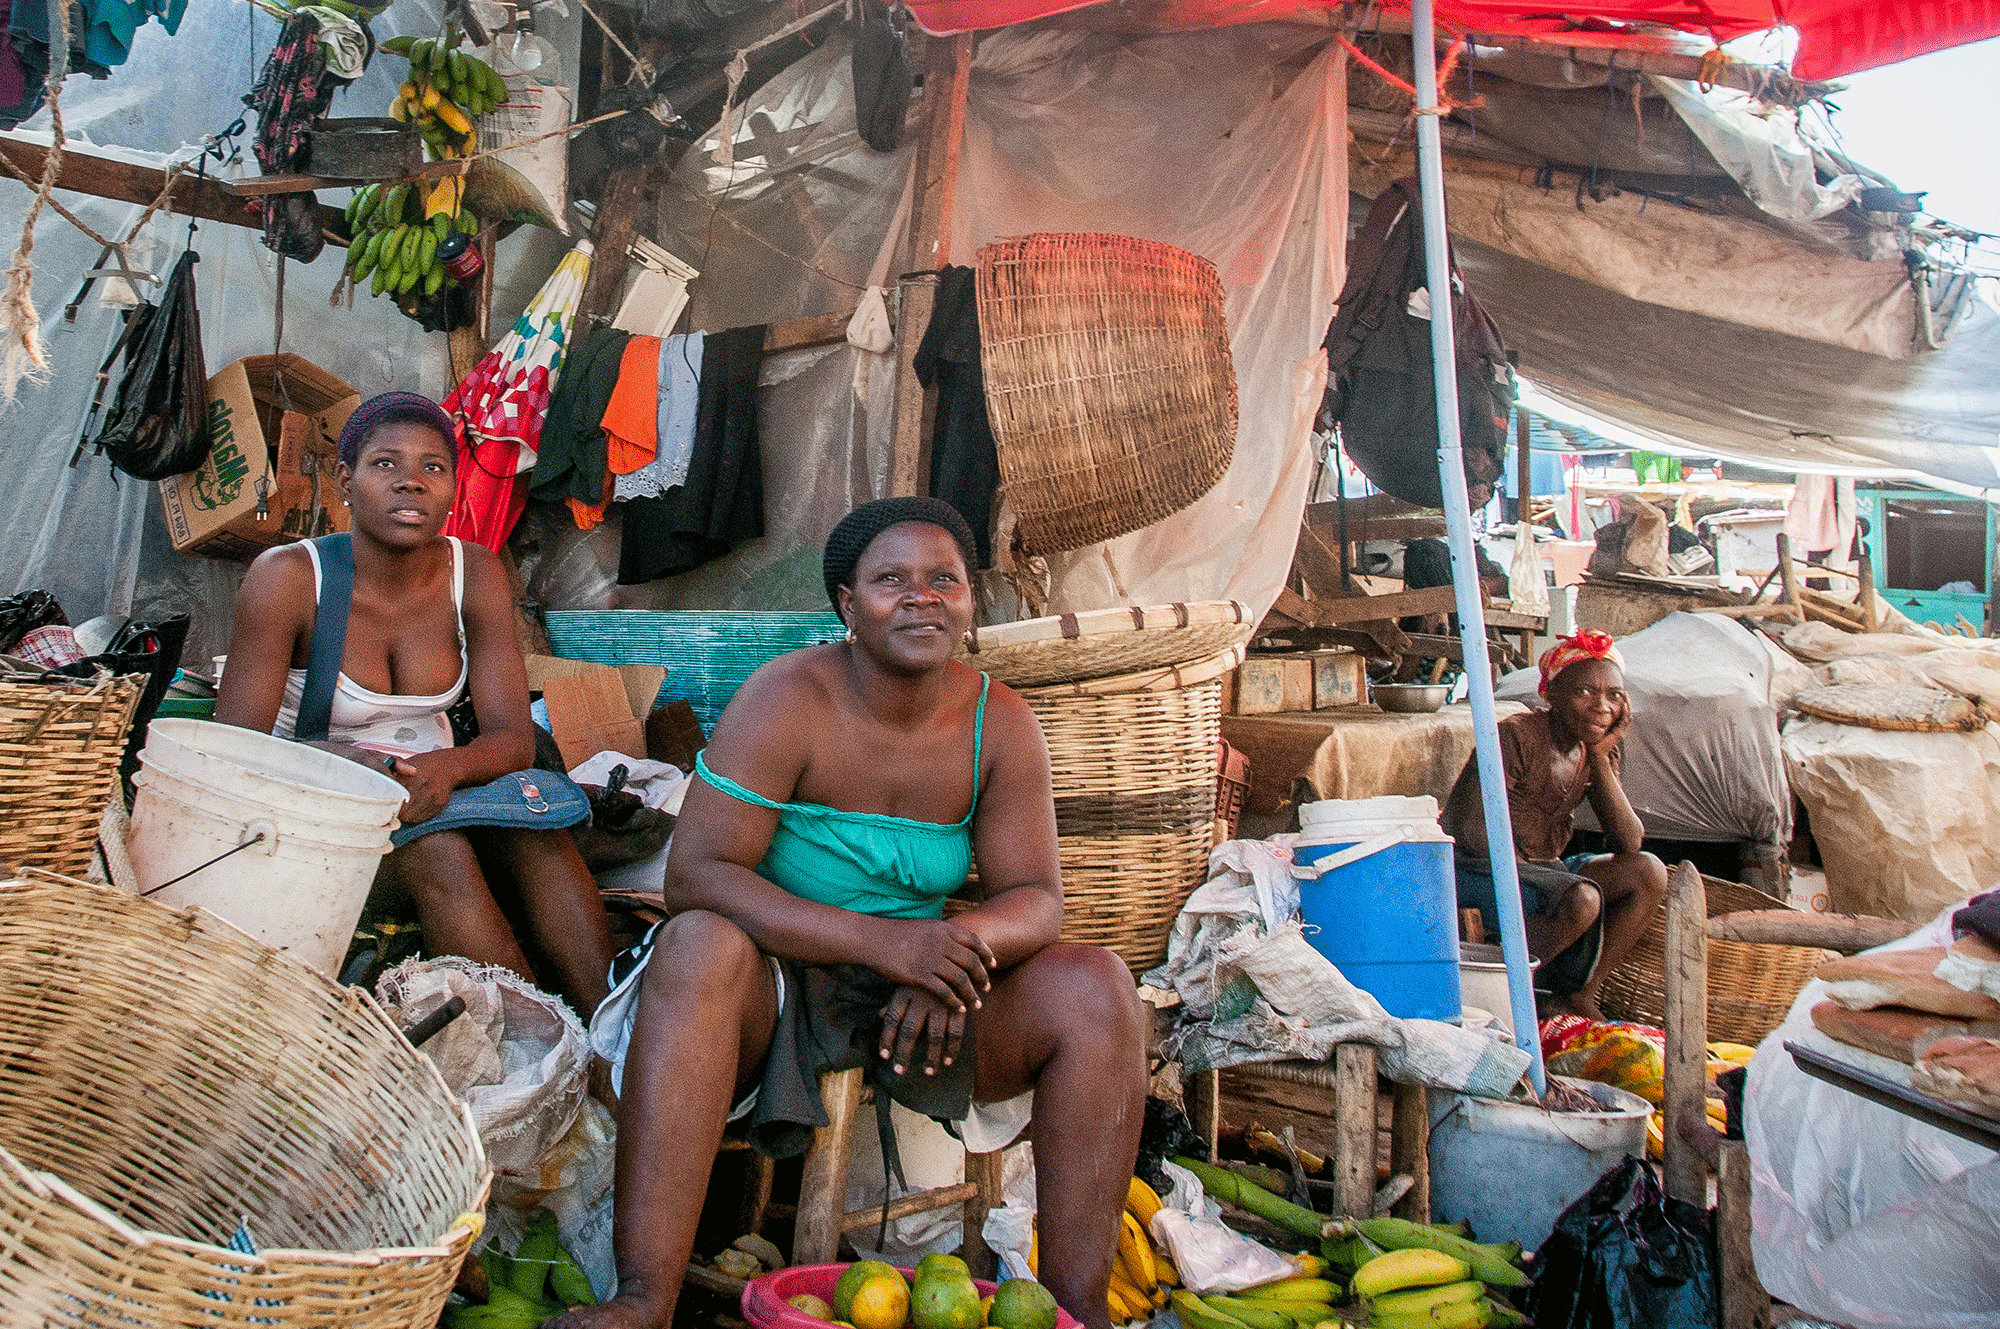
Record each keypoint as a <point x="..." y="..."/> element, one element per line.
<point x="336" y="592"/>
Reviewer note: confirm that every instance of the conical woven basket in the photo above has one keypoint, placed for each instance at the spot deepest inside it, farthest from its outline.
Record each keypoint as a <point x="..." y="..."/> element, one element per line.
<point x="164" y="1077"/>
<point x="1109" y="382"/>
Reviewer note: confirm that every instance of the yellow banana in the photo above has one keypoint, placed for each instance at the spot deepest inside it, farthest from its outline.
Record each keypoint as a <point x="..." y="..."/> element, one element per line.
<point x="1035" y="1252"/>
<point x="1126" y="1305"/>
<point x="1142" y="1202"/>
<point x="1250" y="1313"/>
<point x="451" y="115"/>
<point x="1294" y="1289"/>
<point x="1164" y="1263"/>
<point x="1311" y="1266"/>
<point x="1421" y="1300"/>
<point x="1458" y="1315"/>
<point x="1415" y="1267"/>
<point x="1136" y="1250"/>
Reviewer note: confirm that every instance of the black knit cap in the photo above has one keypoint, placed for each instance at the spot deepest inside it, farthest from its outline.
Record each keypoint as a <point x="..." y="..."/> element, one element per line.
<point x="858" y="529"/>
<point x="391" y="408"/>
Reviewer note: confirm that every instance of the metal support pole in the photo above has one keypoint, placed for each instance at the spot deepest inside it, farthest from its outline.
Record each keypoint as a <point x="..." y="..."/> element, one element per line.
<point x="1458" y="533"/>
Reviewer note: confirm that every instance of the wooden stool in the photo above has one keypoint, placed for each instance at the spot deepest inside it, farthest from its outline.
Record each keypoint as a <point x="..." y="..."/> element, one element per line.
<point x="823" y="1216"/>
<point x="1346" y="1085"/>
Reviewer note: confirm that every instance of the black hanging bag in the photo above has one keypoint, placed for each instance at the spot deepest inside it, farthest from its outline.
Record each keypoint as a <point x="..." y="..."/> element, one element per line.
<point x="159" y="424"/>
<point x="1627" y="1256"/>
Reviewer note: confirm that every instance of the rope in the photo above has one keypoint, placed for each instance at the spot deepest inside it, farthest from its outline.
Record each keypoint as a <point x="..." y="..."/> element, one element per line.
<point x="642" y="68"/>
<point x="25" y="357"/>
<point x="1445" y="104"/>
<point x="173" y="173"/>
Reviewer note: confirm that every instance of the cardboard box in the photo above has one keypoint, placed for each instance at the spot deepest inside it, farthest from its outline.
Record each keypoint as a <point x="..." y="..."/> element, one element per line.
<point x="1340" y="678"/>
<point x="1264" y="684"/>
<point x="266" y="415"/>
<point x="595" y="708"/>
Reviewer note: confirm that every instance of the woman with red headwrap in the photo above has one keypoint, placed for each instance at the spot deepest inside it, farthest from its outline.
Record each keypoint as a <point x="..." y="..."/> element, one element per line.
<point x="1585" y="912"/>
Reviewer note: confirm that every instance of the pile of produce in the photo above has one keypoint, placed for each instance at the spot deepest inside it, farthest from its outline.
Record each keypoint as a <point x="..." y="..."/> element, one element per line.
<point x="1301" y="1302"/>
<point x="397" y="230"/>
<point x="874" y="1295"/>
<point x="537" y="1281"/>
<point x="1425" y="1276"/>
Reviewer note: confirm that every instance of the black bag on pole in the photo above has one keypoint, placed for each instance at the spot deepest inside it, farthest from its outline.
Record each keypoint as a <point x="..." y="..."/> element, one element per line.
<point x="159" y="425"/>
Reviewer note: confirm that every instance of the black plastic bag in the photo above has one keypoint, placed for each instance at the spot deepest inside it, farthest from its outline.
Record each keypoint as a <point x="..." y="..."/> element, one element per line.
<point x="1627" y="1256"/>
<point x="23" y="613"/>
<point x="883" y="78"/>
<point x="159" y="426"/>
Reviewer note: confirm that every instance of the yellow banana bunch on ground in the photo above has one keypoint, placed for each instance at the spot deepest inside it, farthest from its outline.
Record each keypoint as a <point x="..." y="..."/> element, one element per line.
<point x="1425" y="1276"/>
<point x="1139" y="1274"/>
<point x="446" y="91"/>
<point x="1303" y="1301"/>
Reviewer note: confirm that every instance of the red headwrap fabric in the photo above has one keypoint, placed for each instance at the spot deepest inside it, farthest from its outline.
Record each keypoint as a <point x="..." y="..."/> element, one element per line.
<point x="1585" y="645"/>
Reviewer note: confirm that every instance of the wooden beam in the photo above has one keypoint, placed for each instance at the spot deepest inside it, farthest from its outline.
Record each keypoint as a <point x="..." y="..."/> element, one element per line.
<point x="1847" y="933"/>
<point x="1685" y="1086"/>
<point x="1788" y="575"/>
<point x="1745" y="1303"/>
<point x="795" y="334"/>
<point x="84" y="172"/>
<point x="1398" y="604"/>
<point x="941" y="129"/>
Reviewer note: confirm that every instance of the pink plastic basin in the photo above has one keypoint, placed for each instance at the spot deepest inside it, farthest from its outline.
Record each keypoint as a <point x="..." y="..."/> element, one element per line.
<point x="764" y="1300"/>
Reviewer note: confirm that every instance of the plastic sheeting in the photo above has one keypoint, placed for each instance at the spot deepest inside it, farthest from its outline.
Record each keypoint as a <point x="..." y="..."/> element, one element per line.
<point x="98" y="541"/>
<point x="1903" y="820"/>
<point x="1225" y="143"/>
<point x="1860" y="1215"/>
<point x="1702" y="760"/>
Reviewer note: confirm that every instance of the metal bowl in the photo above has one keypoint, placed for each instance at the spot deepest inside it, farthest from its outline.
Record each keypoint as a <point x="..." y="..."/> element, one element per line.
<point x="1410" y="698"/>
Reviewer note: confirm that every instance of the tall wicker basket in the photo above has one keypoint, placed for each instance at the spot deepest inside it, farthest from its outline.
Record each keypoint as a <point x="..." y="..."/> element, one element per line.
<point x="1109" y="382"/>
<point x="60" y="743"/>
<point x="1134" y="766"/>
<point x="164" y="1077"/>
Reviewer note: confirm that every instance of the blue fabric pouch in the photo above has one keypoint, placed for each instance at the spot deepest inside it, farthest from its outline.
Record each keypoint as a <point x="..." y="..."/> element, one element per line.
<point x="530" y="800"/>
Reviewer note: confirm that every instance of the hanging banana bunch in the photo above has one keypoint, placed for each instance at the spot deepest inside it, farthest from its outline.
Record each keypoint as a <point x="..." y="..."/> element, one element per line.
<point x="447" y="89"/>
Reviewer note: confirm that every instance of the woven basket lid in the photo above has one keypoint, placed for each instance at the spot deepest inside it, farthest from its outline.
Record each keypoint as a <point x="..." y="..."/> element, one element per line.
<point x="1100" y="643"/>
<point x="1880" y="706"/>
<point x="1109" y="382"/>
<point x="1165" y="678"/>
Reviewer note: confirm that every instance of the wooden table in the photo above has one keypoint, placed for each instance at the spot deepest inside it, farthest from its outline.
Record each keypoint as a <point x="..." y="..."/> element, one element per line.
<point x="1353" y="752"/>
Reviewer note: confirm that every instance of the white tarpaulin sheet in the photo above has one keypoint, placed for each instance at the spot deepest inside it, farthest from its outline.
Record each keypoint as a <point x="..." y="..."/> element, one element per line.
<point x="1226" y="143"/>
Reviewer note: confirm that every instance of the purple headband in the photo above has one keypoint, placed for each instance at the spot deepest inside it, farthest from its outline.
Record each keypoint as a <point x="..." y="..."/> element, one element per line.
<point x="391" y="407"/>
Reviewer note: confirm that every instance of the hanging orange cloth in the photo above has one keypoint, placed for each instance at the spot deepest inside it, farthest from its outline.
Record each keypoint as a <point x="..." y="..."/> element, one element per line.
<point x="632" y="416"/>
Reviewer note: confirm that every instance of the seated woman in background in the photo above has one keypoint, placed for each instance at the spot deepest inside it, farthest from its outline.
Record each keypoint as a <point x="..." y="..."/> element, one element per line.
<point x="1585" y="912"/>
<point x="428" y="617"/>
<point x="843" y="796"/>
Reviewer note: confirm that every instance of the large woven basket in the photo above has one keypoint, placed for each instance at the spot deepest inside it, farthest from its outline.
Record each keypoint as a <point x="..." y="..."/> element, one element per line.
<point x="164" y="1077"/>
<point x="1133" y="761"/>
<point x="60" y="744"/>
<point x="1101" y="643"/>
<point x="1751" y="986"/>
<point x="1109" y="383"/>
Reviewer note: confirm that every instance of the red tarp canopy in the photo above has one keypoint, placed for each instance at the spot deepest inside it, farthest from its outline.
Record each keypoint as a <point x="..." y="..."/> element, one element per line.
<point x="1835" y="36"/>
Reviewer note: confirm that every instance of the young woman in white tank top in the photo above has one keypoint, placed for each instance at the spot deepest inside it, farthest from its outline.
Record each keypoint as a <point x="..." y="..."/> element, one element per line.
<point x="429" y="618"/>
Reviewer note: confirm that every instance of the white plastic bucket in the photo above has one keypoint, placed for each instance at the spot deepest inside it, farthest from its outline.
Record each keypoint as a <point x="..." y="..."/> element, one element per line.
<point x="1510" y="1168"/>
<point x="206" y="789"/>
<point x="1483" y="985"/>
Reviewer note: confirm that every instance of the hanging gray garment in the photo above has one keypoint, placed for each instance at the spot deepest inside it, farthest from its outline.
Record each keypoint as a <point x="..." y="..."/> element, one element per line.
<point x="680" y="391"/>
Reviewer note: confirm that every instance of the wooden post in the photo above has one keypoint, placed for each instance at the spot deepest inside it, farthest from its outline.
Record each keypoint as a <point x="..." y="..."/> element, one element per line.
<point x="941" y="126"/>
<point x="1203" y="1090"/>
<point x="1686" y="1085"/>
<point x="610" y="236"/>
<point x="1788" y="577"/>
<point x="983" y="1171"/>
<point x="1410" y="1150"/>
<point x="1871" y="611"/>
<point x="1353" y="1163"/>
<point x="757" y="1170"/>
<point x="1745" y="1304"/>
<point x="1524" y="487"/>
<point x="823" y="1189"/>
